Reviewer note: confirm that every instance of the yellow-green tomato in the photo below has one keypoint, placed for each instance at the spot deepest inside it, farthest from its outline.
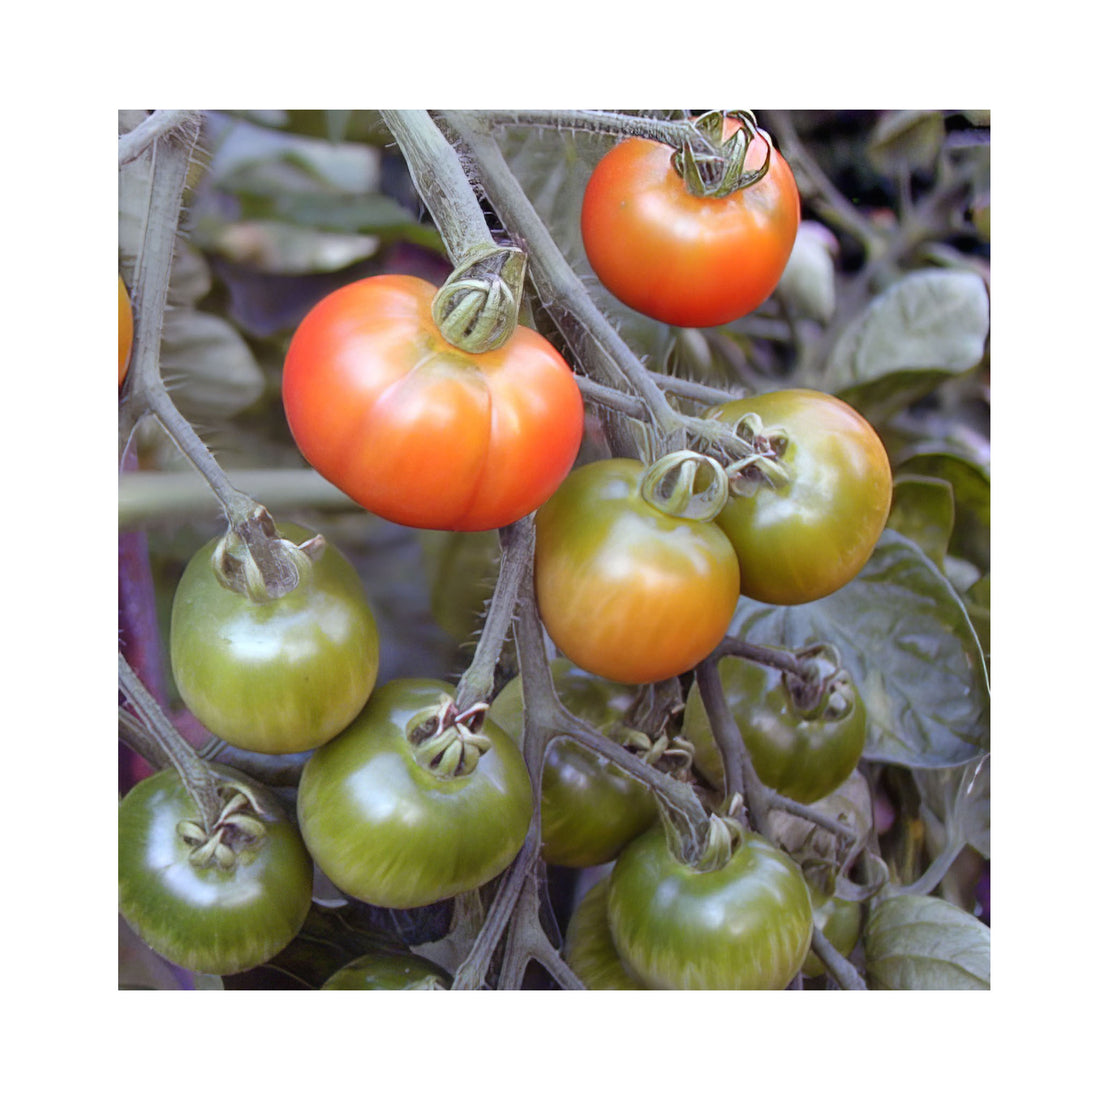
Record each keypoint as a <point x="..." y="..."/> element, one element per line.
<point x="388" y="824"/>
<point x="800" y="540"/>
<point x="745" y="925"/>
<point x="590" y="808"/>
<point x="281" y="676"/>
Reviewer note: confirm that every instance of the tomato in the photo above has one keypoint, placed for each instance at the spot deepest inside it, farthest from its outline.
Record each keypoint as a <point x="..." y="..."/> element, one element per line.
<point x="381" y="970"/>
<point x="681" y="258"/>
<point x="840" y="919"/>
<point x="125" y="330"/>
<point x="589" y="808"/>
<point x="803" y="748"/>
<point x="416" y="430"/>
<point x="281" y="676"/>
<point x="183" y="902"/>
<point x="800" y="541"/>
<point x="744" y="925"/>
<point x="625" y="590"/>
<point x="589" y="949"/>
<point x="387" y="822"/>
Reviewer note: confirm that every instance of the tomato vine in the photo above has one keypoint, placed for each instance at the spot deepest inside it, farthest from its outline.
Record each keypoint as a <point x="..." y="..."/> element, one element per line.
<point x="511" y="265"/>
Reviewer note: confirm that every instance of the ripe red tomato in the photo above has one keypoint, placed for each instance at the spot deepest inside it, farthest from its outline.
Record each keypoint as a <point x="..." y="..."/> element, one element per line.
<point x="624" y="589"/>
<point x="416" y="430"/>
<point x="687" y="259"/>
<point x="125" y="330"/>
<point x="800" y="541"/>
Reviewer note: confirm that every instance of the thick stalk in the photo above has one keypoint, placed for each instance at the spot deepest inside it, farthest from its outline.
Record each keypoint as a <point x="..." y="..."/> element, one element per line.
<point x="517" y="546"/>
<point x="844" y="973"/>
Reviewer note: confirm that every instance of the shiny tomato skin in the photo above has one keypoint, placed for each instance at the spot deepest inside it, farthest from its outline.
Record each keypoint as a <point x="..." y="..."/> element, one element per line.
<point x="387" y="831"/>
<point x="276" y="677"/>
<point x="746" y="925"/>
<point x="204" y="918"/>
<point x="686" y="259"/>
<point x="417" y="431"/>
<point x="125" y="331"/>
<point x="589" y="949"/>
<point x="807" y="539"/>
<point x="589" y="808"/>
<point x="624" y="590"/>
<point x="799" y="756"/>
<point x="379" y="970"/>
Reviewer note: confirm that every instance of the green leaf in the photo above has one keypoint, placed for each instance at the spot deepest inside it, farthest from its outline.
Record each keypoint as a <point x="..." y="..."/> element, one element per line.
<point x="959" y="797"/>
<point x="927" y="326"/>
<point x="925" y="943"/>
<point x="923" y="510"/>
<point x="970" y="482"/>
<point x="905" y="636"/>
<point x="904" y="140"/>
<point x="213" y="368"/>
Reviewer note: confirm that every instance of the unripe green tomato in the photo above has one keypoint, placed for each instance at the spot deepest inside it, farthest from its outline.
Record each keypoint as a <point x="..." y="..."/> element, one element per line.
<point x="209" y="918"/>
<point x="746" y="925"/>
<point x="378" y="970"/>
<point x="589" y="949"/>
<point x="394" y="833"/>
<point x="840" y="919"/>
<point x="590" y="808"/>
<point x="801" y="756"/>
<point x="281" y="676"/>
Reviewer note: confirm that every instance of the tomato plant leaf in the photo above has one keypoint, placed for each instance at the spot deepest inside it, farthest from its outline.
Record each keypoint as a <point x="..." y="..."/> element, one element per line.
<point x="970" y="484"/>
<point x="214" y="368"/>
<point x="959" y="797"/>
<point x="928" y="323"/>
<point x="925" y="943"/>
<point x="905" y="636"/>
<point x="923" y="509"/>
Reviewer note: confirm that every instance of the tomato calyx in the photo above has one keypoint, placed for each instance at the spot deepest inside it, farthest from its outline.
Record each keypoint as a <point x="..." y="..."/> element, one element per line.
<point x="237" y="827"/>
<point x="715" y="168"/>
<point x="714" y="847"/>
<point x="259" y="563"/>
<point x="446" y="741"/>
<point x="678" y="485"/>
<point x="477" y="308"/>
<point x="822" y="689"/>
<point x="671" y="755"/>
<point x="763" y="465"/>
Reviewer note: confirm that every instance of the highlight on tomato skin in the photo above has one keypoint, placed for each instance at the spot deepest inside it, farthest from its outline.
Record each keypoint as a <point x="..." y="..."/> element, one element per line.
<point x="689" y="260"/>
<point x="626" y="591"/>
<point x="417" y="431"/>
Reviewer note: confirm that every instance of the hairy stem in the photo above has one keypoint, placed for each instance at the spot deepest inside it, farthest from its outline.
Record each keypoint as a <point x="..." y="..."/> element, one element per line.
<point x="195" y="775"/>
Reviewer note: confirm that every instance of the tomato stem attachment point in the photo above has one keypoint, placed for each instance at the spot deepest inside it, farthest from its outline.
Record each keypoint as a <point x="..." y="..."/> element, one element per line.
<point x="477" y="308"/>
<point x="446" y="741"/>
<point x="822" y="688"/>
<point x="671" y="485"/>
<point x="238" y="826"/>
<point x="715" y="168"/>
<point x="259" y="563"/>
